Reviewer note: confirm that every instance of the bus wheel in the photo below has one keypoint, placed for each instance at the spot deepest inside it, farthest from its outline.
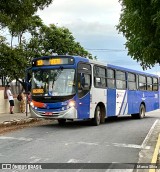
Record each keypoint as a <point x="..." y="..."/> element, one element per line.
<point x="141" y="112"/>
<point x="61" y="121"/>
<point x="97" y="116"/>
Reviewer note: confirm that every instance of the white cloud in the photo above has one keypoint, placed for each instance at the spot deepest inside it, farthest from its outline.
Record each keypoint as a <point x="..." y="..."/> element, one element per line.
<point x="93" y="24"/>
<point x="96" y="28"/>
<point x="67" y="11"/>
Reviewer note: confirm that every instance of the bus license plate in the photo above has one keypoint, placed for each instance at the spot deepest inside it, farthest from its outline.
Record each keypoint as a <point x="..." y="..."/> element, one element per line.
<point x="48" y="113"/>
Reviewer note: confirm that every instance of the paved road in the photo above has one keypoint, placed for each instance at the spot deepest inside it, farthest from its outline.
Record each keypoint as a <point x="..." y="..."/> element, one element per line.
<point x="118" y="140"/>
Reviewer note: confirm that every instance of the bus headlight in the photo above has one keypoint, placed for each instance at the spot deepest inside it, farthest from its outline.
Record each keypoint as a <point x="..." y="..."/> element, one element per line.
<point x="32" y="104"/>
<point x="71" y="103"/>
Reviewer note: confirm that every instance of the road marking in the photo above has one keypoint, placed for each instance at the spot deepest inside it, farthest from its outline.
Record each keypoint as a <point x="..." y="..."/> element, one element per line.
<point x="82" y="143"/>
<point x="34" y="159"/>
<point x="130" y="146"/>
<point x="73" y="161"/>
<point x="155" y="154"/>
<point x="88" y="143"/>
<point x="78" y="170"/>
<point x="14" y="138"/>
<point x="109" y="144"/>
<point x="149" y="134"/>
<point x="77" y="161"/>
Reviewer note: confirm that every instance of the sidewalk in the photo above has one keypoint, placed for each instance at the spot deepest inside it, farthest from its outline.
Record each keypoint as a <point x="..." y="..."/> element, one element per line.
<point x="15" y="119"/>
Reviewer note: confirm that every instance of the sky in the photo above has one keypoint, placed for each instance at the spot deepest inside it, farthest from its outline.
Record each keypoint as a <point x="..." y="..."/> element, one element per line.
<point x="93" y="25"/>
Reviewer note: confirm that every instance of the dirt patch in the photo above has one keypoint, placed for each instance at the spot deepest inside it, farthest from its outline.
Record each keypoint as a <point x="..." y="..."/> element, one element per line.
<point x="14" y="127"/>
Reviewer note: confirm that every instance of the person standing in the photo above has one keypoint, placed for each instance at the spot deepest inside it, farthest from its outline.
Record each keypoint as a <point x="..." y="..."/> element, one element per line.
<point x="10" y="98"/>
<point x="22" y="103"/>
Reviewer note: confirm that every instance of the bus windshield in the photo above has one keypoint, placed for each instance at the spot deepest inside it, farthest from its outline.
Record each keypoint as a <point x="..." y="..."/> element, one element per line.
<point x="53" y="82"/>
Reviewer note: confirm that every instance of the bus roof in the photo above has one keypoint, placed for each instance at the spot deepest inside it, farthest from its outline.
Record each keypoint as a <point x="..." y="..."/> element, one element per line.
<point x="79" y="58"/>
<point x="130" y="70"/>
<point x="96" y="62"/>
<point x="121" y="68"/>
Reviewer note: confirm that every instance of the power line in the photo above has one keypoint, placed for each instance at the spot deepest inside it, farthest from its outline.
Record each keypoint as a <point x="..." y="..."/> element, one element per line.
<point x="105" y="49"/>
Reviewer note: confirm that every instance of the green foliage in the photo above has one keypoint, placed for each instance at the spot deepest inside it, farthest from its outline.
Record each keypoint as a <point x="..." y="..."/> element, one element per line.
<point x="51" y="39"/>
<point x="18" y="16"/>
<point x="140" y="24"/>
<point x="16" y="10"/>
<point x="12" y="62"/>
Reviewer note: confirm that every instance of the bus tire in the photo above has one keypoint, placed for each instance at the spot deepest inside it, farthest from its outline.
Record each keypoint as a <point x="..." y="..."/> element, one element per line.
<point x="97" y="116"/>
<point x="141" y="113"/>
<point x="61" y="121"/>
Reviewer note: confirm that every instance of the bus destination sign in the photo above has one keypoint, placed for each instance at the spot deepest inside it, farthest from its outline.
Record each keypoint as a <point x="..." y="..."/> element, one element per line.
<point x="53" y="61"/>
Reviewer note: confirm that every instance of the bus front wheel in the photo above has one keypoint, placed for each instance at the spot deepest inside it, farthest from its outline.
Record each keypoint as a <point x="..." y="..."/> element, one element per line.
<point x="97" y="116"/>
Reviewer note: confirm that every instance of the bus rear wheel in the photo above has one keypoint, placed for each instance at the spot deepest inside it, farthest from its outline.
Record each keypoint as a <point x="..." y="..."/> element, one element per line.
<point x="97" y="116"/>
<point x="61" y="121"/>
<point x="141" y="113"/>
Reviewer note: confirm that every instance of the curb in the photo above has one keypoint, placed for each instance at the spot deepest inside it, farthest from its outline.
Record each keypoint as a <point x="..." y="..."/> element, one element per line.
<point x="155" y="157"/>
<point x="18" y="122"/>
<point x="151" y="155"/>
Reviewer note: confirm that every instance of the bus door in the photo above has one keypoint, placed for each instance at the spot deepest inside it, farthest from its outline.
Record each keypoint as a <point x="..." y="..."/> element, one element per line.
<point x="111" y="92"/>
<point x="84" y="86"/>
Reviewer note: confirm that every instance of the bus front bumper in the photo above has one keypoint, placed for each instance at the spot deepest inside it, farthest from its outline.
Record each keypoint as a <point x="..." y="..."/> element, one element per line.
<point x="70" y="113"/>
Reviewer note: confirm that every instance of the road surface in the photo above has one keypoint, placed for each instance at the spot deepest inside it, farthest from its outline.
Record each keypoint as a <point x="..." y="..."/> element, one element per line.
<point x="118" y="140"/>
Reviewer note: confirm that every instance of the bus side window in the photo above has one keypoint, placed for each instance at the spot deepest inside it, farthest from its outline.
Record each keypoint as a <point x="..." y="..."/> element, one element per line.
<point x="99" y="76"/>
<point x="120" y="80"/>
<point x="132" y="85"/>
<point x="142" y="82"/>
<point x="84" y="84"/>
<point x="149" y="83"/>
<point x="110" y="78"/>
<point x="84" y="78"/>
<point x="84" y="81"/>
<point x="98" y="82"/>
<point x="155" y="84"/>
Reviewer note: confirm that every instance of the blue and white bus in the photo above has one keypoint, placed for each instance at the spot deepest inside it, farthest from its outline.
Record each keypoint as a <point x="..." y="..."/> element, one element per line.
<point x="73" y="87"/>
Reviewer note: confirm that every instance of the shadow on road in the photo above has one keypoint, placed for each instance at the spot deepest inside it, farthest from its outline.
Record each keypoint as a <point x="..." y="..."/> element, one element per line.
<point x="88" y="123"/>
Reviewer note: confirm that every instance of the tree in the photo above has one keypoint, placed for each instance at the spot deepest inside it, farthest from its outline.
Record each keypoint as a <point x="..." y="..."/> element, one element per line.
<point x="17" y="15"/>
<point x="45" y="40"/>
<point x="140" y="24"/>
<point x="19" y="9"/>
<point x="12" y="62"/>
<point x="51" y="39"/>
